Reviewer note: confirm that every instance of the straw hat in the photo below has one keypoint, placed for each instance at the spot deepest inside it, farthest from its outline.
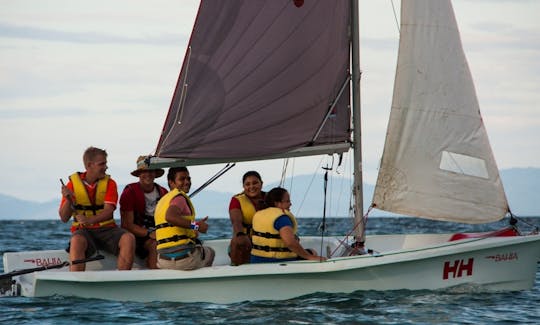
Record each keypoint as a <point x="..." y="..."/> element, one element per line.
<point x="143" y="167"/>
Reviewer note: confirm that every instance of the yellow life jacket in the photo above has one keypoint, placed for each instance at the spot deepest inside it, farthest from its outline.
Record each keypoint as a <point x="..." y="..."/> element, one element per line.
<point x="266" y="239"/>
<point x="248" y="211"/>
<point x="84" y="206"/>
<point x="168" y="235"/>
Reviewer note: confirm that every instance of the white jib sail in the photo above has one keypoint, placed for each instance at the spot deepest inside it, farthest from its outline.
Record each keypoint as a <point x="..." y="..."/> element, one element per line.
<point x="437" y="161"/>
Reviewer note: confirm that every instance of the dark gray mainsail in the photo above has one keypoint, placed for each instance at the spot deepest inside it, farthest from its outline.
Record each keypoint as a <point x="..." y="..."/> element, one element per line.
<point x="261" y="79"/>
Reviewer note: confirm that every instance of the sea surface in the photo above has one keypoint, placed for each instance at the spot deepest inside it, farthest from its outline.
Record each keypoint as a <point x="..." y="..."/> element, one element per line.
<point x="371" y="307"/>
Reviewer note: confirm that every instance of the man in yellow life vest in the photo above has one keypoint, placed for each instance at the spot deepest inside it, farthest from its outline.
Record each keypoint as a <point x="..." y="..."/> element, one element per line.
<point x="177" y="230"/>
<point x="275" y="232"/>
<point x="91" y="197"/>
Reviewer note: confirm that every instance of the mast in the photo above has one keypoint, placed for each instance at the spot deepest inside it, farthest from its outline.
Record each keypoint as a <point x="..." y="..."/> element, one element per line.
<point x="357" y="131"/>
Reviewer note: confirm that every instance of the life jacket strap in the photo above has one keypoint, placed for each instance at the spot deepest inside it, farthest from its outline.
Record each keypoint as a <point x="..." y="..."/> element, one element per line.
<point x="164" y="225"/>
<point x="271" y="249"/>
<point x="107" y="223"/>
<point x="93" y="208"/>
<point x="248" y="227"/>
<point x="266" y="234"/>
<point x="172" y="239"/>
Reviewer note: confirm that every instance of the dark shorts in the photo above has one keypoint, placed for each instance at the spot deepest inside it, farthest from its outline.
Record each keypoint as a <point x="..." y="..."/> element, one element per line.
<point x="140" y="251"/>
<point x="102" y="239"/>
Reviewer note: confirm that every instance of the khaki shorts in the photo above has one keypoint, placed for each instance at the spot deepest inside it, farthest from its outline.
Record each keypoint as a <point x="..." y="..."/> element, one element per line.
<point x="201" y="256"/>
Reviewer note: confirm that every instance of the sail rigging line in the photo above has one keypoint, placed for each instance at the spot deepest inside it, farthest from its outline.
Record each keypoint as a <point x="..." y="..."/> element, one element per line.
<point x="395" y="15"/>
<point x="353" y="249"/>
<point x="351" y="194"/>
<point x="284" y="175"/>
<point x="341" y="187"/>
<point x="322" y="226"/>
<point x="213" y="178"/>
<point x="283" y="172"/>
<point x="331" y="108"/>
<point x="180" y="111"/>
<point x="422" y="249"/>
<point x="292" y="176"/>
<point x="309" y="186"/>
<point x="514" y="219"/>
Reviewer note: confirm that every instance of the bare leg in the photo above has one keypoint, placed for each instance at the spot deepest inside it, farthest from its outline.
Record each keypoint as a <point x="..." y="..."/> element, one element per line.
<point x="151" y="260"/>
<point x="127" y="251"/>
<point x="77" y="249"/>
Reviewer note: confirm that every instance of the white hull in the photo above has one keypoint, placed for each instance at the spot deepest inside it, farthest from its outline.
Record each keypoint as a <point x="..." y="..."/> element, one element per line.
<point x="413" y="262"/>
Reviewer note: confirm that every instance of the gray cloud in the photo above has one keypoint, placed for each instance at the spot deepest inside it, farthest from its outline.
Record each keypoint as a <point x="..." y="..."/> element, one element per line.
<point x="46" y="34"/>
<point x="39" y="113"/>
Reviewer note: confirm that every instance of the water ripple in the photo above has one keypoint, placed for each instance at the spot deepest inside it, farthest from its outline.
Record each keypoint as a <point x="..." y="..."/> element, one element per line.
<point x="366" y="307"/>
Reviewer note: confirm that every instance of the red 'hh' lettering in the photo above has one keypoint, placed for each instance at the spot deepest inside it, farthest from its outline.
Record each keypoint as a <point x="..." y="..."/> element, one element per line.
<point x="458" y="268"/>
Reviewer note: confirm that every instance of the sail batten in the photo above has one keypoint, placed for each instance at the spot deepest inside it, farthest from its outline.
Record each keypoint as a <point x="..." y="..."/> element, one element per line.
<point x="437" y="161"/>
<point x="337" y="148"/>
<point x="259" y="85"/>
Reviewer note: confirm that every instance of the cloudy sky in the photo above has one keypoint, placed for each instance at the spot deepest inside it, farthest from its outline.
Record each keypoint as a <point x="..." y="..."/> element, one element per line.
<point x="80" y="73"/>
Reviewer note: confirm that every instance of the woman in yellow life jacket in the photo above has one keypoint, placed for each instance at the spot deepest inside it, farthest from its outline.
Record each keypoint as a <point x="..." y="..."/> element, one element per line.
<point x="274" y="232"/>
<point x="241" y="210"/>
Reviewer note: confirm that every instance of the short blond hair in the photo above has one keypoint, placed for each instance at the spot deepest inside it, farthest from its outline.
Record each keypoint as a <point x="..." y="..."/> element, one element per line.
<point x="91" y="153"/>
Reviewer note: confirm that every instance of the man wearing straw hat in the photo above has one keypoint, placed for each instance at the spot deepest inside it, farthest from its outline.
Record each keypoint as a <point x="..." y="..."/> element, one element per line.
<point x="137" y="205"/>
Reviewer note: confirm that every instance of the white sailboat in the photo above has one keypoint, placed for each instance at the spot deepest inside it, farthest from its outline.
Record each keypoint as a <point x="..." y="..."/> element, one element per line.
<point x="269" y="79"/>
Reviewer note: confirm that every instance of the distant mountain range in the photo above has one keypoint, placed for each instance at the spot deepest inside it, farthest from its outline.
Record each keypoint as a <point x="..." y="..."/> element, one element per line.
<point x="522" y="187"/>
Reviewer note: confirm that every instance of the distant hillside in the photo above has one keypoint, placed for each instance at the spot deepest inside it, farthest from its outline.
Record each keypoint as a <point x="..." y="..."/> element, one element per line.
<point x="522" y="189"/>
<point x="13" y="208"/>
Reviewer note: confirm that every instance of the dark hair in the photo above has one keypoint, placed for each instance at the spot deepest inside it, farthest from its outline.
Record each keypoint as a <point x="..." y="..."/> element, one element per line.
<point x="171" y="174"/>
<point x="275" y="195"/>
<point x="251" y="173"/>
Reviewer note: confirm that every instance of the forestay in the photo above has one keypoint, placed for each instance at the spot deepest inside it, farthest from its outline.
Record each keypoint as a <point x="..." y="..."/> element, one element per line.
<point x="437" y="160"/>
<point x="259" y="79"/>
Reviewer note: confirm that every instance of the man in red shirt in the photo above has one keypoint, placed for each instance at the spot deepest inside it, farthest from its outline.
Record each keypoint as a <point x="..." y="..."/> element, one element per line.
<point x="137" y="206"/>
<point x="91" y="197"/>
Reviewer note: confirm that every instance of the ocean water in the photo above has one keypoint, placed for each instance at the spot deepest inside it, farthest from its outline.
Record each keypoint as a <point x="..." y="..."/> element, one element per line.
<point x="372" y="307"/>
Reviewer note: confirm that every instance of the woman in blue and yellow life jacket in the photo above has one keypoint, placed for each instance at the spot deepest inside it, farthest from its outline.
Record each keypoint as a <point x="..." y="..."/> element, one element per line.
<point x="242" y="208"/>
<point x="274" y="232"/>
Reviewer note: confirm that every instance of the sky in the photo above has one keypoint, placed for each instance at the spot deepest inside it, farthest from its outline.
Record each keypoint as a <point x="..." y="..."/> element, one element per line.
<point x="75" y="74"/>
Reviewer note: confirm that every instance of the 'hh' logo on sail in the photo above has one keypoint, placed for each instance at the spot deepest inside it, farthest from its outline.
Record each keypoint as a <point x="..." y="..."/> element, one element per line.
<point x="458" y="268"/>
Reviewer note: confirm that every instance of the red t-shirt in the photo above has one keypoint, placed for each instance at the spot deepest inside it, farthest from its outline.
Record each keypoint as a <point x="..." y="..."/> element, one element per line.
<point x="182" y="204"/>
<point x="235" y="203"/>
<point x="132" y="198"/>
